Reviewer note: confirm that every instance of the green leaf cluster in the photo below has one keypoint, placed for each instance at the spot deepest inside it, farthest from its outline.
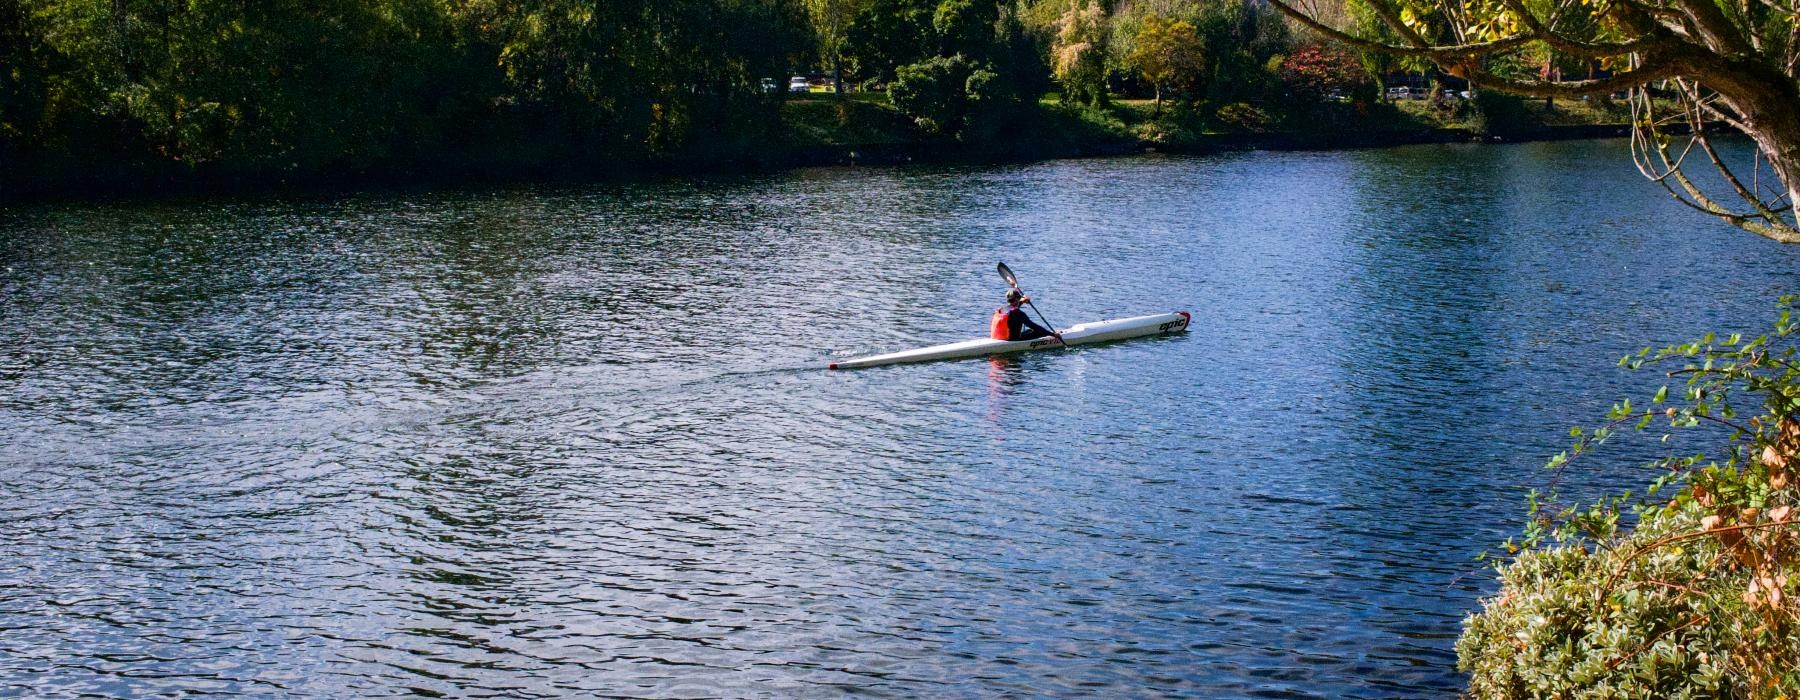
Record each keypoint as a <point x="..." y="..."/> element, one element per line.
<point x="1698" y="598"/>
<point x="978" y="78"/>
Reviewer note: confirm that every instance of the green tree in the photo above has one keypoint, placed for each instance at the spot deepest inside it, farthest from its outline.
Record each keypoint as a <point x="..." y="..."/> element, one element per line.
<point x="1242" y="39"/>
<point x="966" y="27"/>
<point x="934" y="92"/>
<point x="23" y="83"/>
<point x="831" y="20"/>
<point x="975" y="82"/>
<point x="888" y="34"/>
<point x="303" y="88"/>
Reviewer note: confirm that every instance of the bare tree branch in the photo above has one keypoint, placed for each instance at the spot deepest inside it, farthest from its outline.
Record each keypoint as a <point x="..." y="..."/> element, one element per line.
<point x="1647" y="141"/>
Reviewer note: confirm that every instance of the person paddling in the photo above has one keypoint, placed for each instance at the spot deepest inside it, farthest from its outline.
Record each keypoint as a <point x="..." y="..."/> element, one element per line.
<point x="1011" y="323"/>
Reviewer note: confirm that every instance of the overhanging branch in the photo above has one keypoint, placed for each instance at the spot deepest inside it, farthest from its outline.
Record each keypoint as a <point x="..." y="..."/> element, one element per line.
<point x="1443" y="54"/>
<point x="1573" y="47"/>
<point x="1646" y="73"/>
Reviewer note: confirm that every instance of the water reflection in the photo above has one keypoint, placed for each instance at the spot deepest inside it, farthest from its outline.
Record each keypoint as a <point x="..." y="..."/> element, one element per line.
<point x="571" y="441"/>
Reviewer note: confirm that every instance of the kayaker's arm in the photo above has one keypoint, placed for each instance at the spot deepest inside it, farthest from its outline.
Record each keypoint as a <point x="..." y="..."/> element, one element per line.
<point x="1028" y="329"/>
<point x="1040" y="331"/>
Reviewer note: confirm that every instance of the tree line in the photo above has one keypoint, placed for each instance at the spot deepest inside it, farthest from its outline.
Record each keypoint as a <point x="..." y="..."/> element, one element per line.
<point x="331" y="86"/>
<point x="961" y="66"/>
<point x="304" y="88"/>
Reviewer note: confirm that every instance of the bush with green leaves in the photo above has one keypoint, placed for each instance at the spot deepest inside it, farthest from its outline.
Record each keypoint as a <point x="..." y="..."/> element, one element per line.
<point x="1496" y="113"/>
<point x="952" y="95"/>
<point x="1698" y="599"/>
<point x="991" y="99"/>
<point x="934" y="92"/>
<point x="1239" y="116"/>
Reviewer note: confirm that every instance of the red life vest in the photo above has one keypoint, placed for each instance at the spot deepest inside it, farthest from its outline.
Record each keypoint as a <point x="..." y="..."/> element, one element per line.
<point x="1001" y="329"/>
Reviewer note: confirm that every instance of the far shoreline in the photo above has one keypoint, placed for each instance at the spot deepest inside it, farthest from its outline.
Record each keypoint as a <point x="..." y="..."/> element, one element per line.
<point x="1030" y="148"/>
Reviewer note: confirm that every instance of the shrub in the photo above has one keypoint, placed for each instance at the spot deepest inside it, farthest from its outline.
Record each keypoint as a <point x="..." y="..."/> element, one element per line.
<point x="955" y="96"/>
<point x="1494" y="113"/>
<point x="933" y="92"/>
<point x="1243" y="117"/>
<point x="1696" y="601"/>
<point x="992" y="100"/>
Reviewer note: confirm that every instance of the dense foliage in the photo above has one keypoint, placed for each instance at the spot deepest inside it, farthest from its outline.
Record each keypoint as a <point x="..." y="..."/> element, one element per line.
<point x="1698" y="599"/>
<point x="319" y="86"/>
<point x="135" y="92"/>
<point x="962" y="73"/>
<point x="1167" y="53"/>
<point x="1320" y="71"/>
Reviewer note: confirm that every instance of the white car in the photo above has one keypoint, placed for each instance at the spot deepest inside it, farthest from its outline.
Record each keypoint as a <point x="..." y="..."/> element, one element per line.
<point x="799" y="83"/>
<point x="1397" y="93"/>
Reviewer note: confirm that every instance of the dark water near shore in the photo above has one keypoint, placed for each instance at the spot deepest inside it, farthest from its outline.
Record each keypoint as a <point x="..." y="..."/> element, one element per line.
<point x="546" y="442"/>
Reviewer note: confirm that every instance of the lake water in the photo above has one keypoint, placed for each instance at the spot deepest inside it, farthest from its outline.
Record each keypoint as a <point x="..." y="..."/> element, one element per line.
<point x="580" y="440"/>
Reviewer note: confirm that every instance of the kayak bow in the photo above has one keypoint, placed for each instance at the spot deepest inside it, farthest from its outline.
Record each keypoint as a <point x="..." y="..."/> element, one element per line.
<point x="1080" y="334"/>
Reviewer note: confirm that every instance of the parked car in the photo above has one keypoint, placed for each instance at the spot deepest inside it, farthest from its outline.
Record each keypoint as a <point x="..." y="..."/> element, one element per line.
<point x="769" y="86"/>
<point x="1395" y="94"/>
<point x="799" y="83"/>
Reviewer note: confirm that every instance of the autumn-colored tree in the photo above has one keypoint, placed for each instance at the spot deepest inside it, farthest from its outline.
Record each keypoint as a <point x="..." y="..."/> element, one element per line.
<point x="1315" y="71"/>
<point x="1079" y="53"/>
<point x="1167" y="52"/>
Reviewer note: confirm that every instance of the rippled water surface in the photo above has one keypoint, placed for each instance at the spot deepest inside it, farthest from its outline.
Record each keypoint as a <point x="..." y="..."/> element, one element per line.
<point x="573" y="441"/>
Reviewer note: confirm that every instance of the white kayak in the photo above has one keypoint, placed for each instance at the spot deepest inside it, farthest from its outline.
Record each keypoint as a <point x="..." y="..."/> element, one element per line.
<point x="1080" y="334"/>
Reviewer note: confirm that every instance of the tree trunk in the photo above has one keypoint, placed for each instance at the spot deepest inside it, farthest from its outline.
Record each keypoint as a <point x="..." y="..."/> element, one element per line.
<point x="119" y="21"/>
<point x="1158" y="108"/>
<point x="837" y="75"/>
<point x="1769" y="104"/>
<point x="1780" y="144"/>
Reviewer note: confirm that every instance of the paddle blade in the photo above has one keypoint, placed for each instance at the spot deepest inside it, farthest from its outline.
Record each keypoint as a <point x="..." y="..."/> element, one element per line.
<point x="1006" y="274"/>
